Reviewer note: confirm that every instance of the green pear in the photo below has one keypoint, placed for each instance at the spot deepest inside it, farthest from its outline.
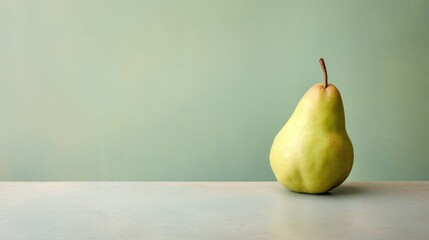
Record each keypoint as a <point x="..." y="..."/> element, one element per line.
<point x="312" y="153"/>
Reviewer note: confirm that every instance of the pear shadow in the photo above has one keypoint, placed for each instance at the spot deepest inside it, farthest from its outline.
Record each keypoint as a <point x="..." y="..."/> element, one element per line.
<point x="342" y="190"/>
<point x="347" y="190"/>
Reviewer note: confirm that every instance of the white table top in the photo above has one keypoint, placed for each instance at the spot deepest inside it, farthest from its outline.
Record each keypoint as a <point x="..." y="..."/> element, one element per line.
<point x="211" y="210"/>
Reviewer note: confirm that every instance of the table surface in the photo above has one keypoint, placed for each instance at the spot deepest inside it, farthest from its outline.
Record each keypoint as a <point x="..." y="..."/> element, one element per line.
<point x="211" y="210"/>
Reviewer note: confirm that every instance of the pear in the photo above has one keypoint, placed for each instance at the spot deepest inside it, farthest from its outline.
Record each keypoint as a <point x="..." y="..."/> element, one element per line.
<point x="312" y="153"/>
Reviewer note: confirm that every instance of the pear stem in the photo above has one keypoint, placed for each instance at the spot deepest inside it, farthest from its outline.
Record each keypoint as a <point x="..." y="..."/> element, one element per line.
<point x="325" y="72"/>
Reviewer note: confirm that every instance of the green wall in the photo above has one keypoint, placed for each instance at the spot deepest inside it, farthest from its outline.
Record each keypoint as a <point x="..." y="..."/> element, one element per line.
<point x="197" y="89"/>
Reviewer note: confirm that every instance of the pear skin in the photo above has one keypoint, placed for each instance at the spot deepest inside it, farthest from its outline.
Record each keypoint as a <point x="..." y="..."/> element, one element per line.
<point x="312" y="153"/>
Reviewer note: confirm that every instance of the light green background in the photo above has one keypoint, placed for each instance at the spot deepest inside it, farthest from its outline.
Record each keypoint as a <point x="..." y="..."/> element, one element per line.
<point x="197" y="90"/>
